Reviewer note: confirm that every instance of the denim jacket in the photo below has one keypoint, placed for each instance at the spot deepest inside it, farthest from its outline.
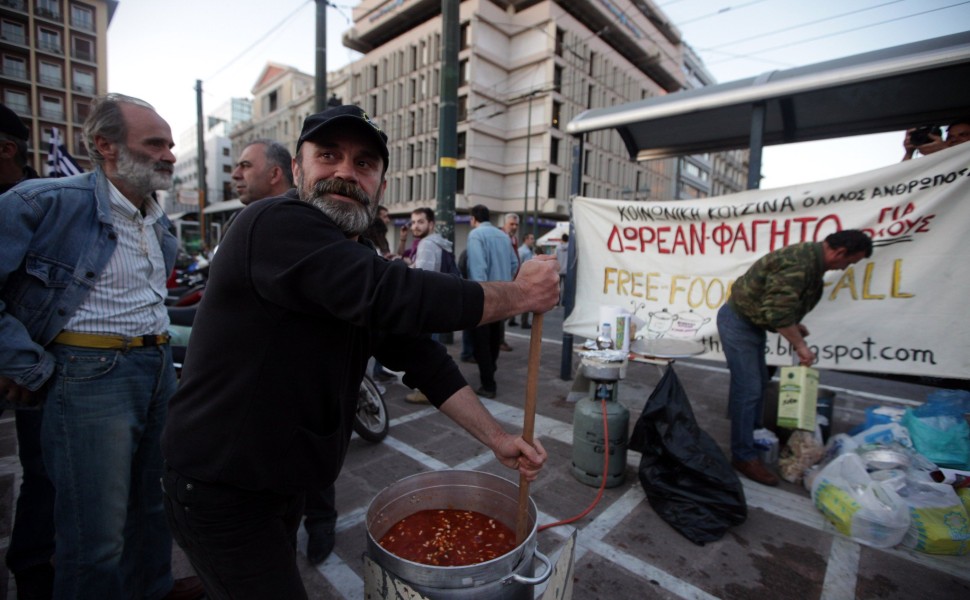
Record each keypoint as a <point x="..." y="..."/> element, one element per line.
<point x="56" y="237"/>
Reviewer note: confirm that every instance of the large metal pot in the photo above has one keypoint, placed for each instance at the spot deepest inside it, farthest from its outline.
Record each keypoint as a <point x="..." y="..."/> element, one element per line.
<point x="508" y="577"/>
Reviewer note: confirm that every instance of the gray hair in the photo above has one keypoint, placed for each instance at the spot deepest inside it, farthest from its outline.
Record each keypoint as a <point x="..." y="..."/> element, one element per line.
<point x="511" y="218"/>
<point x="276" y="155"/>
<point x="105" y="120"/>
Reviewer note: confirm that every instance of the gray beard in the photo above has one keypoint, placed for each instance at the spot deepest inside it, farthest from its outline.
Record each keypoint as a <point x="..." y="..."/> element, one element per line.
<point x="353" y="218"/>
<point x="140" y="174"/>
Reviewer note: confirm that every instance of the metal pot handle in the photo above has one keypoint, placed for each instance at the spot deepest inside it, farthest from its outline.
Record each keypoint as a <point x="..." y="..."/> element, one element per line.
<point x="532" y="580"/>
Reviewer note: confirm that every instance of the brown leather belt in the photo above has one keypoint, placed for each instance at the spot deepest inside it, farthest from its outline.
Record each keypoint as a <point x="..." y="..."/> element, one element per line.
<point x="109" y="342"/>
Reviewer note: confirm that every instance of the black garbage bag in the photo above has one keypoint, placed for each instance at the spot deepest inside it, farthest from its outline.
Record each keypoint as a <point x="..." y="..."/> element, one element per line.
<point x="688" y="480"/>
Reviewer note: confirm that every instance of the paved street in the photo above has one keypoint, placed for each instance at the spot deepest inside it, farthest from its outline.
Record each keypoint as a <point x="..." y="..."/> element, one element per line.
<point x="624" y="550"/>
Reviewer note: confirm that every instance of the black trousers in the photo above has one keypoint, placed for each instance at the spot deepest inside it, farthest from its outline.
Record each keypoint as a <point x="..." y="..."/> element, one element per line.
<point x="321" y="509"/>
<point x="486" y="341"/>
<point x="242" y="544"/>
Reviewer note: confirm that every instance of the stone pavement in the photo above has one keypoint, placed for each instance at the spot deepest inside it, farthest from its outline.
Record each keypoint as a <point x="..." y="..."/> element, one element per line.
<point x="624" y="550"/>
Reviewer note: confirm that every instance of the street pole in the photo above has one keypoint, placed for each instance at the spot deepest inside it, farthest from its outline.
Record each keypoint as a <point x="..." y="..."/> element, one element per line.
<point x="320" y="101"/>
<point x="200" y="144"/>
<point x="535" y="210"/>
<point x="528" y="140"/>
<point x="448" y="130"/>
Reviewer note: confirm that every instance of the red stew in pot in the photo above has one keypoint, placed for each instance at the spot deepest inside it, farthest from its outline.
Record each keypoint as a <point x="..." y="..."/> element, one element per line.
<point x="448" y="538"/>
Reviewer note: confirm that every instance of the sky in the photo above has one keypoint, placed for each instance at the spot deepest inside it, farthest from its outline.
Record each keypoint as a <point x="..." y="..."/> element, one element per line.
<point x="157" y="49"/>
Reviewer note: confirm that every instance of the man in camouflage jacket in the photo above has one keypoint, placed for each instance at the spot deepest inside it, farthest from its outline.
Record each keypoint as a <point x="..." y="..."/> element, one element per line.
<point x="775" y="294"/>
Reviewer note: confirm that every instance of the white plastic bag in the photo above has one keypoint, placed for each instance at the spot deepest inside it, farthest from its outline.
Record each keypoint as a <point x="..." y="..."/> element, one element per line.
<point x="938" y="521"/>
<point x="866" y="510"/>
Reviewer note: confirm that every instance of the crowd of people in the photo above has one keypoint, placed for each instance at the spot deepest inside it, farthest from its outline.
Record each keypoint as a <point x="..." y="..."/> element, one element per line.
<point x="250" y="442"/>
<point x="261" y="420"/>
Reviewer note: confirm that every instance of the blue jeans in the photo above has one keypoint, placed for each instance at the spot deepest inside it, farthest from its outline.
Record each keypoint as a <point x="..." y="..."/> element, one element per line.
<point x="102" y="424"/>
<point x="743" y="344"/>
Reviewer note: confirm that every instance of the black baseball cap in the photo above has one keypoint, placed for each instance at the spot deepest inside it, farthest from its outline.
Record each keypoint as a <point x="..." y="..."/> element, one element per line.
<point x="11" y="124"/>
<point x="346" y="114"/>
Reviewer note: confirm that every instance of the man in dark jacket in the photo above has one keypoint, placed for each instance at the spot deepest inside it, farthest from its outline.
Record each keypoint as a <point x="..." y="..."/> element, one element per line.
<point x="775" y="294"/>
<point x="294" y="308"/>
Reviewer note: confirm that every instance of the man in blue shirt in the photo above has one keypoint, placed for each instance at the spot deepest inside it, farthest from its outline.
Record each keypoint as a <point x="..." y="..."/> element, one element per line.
<point x="490" y="258"/>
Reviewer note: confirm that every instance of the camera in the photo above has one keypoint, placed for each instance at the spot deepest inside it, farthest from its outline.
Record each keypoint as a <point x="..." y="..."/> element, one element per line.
<point x="921" y="135"/>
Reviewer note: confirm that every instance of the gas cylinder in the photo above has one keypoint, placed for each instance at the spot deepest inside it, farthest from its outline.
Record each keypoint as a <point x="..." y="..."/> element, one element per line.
<point x="588" y="441"/>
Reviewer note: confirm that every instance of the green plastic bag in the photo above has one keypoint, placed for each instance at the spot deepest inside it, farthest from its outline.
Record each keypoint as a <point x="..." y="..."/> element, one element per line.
<point x="939" y="433"/>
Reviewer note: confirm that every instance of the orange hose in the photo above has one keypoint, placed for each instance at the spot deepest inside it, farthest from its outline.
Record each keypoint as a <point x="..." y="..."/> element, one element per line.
<point x="606" y="466"/>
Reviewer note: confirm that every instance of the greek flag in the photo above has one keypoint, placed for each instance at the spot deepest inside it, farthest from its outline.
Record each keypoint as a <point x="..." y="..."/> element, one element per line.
<point x="59" y="162"/>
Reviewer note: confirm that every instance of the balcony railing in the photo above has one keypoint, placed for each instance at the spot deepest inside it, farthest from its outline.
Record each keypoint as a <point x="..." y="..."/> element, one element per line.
<point x="14" y="38"/>
<point x="84" y="22"/>
<point x="47" y="13"/>
<point x="83" y="55"/>
<point x="14" y="72"/>
<point x="14" y="4"/>
<point x="51" y="81"/>
<point x="52" y="113"/>
<point x="50" y="47"/>
<point x="84" y="89"/>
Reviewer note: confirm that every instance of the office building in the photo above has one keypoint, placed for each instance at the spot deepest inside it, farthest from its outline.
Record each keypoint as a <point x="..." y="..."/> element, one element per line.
<point x="54" y="57"/>
<point x="526" y="68"/>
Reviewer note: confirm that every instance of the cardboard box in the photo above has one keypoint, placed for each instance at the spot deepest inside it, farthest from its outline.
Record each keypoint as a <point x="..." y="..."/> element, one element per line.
<point x="797" y="396"/>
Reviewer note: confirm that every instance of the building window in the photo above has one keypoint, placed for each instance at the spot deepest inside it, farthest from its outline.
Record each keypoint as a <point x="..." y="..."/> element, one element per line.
<point x="554" y="151"/>
<point x="48" y="8"/>
<point x="14" y="66"/>
<point x="82" y="17"/>
<point x="460" y="149"/>
<point x="463" y="72"/>
<point x="560" y="38"/>
<point x="556" y="114"/>
<point x="271" y="102"/>
<point x="227" y="168"/>
<point x="49" y="40"/>
<point x="17" y="101"/>
<point x="553" y="185"/>
<point x="460" y="181"/>
<point x="13" y="32"/>
<point x="51" y="75"/>
<point x="80" y="149"/>
<point x="82" y="48"/>
<point x="51" y="107"/>
<point x="83" y="80"/>
<point x="557" y="78"/>
<point x="81" y="110"/>
<point x="462" y="108"/>
<point x="463" y="36"/>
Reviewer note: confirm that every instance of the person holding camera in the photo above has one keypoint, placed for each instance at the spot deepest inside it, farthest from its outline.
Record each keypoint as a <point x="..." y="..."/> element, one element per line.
<point x="929" y="138"/>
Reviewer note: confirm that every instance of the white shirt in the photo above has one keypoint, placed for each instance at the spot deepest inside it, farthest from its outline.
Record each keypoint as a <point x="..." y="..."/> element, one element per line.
<point x="128" y="298"/>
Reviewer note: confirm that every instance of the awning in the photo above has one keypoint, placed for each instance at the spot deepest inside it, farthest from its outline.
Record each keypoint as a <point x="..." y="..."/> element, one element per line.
<point x="885" y="90"/>
<point x="554" y="237"/>
<point x="224" y="206"/>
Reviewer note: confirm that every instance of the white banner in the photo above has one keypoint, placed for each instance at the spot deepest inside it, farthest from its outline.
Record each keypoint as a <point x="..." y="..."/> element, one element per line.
<point x="904" y="310"/>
